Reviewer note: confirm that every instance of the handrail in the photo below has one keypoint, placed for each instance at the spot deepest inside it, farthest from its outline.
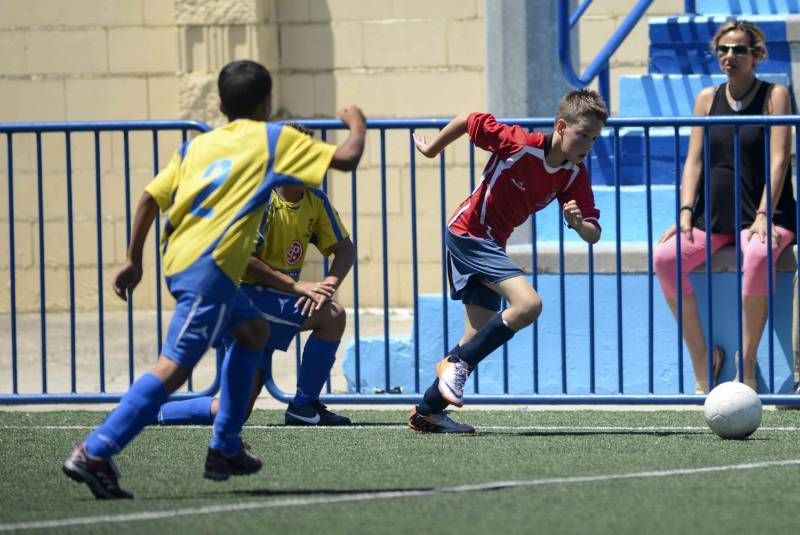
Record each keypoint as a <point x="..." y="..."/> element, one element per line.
<point x="598" y="66"/>
<point x="102" y="126"/>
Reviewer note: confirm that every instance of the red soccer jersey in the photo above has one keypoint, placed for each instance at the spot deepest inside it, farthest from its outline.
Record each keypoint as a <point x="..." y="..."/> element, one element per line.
<point x="517" y="182"/>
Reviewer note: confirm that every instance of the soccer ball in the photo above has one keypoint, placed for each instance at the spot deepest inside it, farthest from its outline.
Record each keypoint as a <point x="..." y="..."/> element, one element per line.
<point x="733" y="410"/>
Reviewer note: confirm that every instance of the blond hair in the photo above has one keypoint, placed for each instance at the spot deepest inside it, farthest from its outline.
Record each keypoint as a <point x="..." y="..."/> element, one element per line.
<point x="753" y="32"/>
<point x="582" y="104"/>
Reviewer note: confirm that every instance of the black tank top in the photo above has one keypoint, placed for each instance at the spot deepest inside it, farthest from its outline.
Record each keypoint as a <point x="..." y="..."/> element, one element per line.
<point x="751" y="168"/>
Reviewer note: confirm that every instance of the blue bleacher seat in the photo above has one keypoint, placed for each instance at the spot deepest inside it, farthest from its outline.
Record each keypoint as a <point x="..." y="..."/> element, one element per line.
<point x="748" y="7"/>
<point x="671" y="95"/>
<point x="680" y="45"/>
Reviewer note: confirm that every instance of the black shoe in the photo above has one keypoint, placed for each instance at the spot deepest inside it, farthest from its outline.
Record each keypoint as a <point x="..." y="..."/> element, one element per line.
<point x="220" y="467"/>
<point x="795" y="390"/>
<point x="313" y="414"/>
<point x="101" y="475"/>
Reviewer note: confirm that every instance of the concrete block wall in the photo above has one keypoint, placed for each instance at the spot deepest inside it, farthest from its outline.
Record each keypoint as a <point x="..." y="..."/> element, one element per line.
<point x="394" y="58"/>
<point x="70" y="60"/>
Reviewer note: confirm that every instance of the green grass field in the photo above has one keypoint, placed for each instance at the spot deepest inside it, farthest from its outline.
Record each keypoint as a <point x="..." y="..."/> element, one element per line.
<point x="524" y="472"/>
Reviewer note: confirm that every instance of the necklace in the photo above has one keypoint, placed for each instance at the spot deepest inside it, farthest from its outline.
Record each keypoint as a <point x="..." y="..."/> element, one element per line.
<point x="737" y="102"/>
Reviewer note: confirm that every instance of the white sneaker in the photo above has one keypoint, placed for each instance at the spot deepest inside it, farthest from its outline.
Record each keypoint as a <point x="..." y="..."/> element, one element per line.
<point x="452" y="375"/>
<point x="436" y="423"/>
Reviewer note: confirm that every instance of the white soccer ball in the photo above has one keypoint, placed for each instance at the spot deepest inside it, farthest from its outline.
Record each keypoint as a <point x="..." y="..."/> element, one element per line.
<point x="733" y="410"/>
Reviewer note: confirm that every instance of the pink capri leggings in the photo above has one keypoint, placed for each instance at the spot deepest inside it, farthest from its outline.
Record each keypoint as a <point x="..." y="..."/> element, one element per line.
<point x="754" y="267"/>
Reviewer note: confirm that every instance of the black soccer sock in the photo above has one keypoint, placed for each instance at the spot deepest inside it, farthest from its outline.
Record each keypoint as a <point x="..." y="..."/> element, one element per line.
<point x="432" y="401"/>
<point x="488" y="338"/>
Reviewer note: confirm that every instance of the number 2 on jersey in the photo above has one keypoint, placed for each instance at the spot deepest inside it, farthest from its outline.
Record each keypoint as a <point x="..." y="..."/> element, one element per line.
<point x="221" y="169"/>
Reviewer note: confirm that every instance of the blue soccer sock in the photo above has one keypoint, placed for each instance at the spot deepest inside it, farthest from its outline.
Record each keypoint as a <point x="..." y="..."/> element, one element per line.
<point x="236" y="385"/>
<point x="318" y="358"/>
<point x="492" y="335"/>
<point x="136" y="409"/>
<point x="432" y="401"/>
<point x="195" y="411"/>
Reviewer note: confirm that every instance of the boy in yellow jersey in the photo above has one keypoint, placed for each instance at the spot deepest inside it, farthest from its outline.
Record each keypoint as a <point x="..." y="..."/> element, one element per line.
<point x="295" y="217"/>
<point x="216" y="188"/>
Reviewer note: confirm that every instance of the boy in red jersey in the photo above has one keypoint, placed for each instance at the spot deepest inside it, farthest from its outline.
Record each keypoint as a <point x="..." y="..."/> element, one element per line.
<point x="525" y="173"/>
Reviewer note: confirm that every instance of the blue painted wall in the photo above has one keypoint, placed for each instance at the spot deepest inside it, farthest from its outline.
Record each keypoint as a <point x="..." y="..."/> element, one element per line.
<point x="635" y="341"/>
<point x="633" y="211"/>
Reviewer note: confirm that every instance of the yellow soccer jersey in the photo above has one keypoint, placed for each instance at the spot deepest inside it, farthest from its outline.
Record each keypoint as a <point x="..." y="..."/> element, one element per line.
<point x="216" y="188"/>
<point x="290" y="226"/>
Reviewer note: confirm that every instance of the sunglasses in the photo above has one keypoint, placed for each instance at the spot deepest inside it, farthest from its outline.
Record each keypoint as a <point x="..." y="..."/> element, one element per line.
<point x="738" y="50"/>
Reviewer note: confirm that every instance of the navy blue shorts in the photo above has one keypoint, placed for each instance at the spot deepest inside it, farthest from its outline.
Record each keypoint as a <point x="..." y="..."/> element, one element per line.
<point x="278" y="308"/>
<point x="473" y="260"/>
<point x="199" y="321"/>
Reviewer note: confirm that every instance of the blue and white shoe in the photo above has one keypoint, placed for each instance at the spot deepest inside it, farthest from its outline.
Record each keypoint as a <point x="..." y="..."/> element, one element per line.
<point x="452" y="373"/>
<point x="313" y="414"/>
<point x="436" y="423"/>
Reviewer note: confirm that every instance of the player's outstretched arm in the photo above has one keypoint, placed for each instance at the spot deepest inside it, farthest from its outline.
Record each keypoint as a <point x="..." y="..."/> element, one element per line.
<point x="454" y="130"/>
<point x="348" y="154"/>
<point x="131" y="273"/>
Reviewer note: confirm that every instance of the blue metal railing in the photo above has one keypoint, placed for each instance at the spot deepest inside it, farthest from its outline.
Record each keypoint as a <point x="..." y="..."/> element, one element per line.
<point x="599" y="66"/>
<point x="68" y="130"/>
<point x="405" y="127"/>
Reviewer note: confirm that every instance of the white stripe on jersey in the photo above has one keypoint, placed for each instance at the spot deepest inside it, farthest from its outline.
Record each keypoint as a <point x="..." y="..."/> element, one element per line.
<point x="572" y="178"/>
<point x="457" y="214"/>
<point x="509" y="162"/>
<point x="499" y="168"/>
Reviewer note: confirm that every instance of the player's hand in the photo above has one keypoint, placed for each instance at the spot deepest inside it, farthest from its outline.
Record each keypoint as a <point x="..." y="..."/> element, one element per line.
<point x="313" y="295"/>
<point x="421" y="142"/>
<point x="126" y="279"/>
<point x="573" y="215"/>
<point x="759" y="227"/>
<point x="353" y="117"/>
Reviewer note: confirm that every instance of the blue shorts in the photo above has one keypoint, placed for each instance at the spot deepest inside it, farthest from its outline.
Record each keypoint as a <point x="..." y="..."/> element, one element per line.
<point x="278" y="308"/>
<point x="199" y="321"/>
<point x="470" y="261"/>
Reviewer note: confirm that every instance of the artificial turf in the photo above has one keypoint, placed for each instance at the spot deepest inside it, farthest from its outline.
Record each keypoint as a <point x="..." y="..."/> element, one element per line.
<point x="579" y="471"/>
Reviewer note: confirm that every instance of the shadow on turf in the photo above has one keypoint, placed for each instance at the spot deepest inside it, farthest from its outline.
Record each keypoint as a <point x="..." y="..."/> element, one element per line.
<point x="578" y="433"/>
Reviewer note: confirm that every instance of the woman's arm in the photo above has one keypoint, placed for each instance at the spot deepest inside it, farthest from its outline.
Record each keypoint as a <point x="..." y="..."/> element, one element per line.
<point x="779" y="150"/>
<point x="692" y="167"/>
<point x="778" y="103"/>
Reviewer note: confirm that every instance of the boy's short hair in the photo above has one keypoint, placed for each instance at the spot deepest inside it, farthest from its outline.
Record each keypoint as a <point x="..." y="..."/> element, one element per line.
<point x="243" y="85"/>
<point x="582" y="104"/>
<point x="299" y="127"/>
<point x="753" y="32"/>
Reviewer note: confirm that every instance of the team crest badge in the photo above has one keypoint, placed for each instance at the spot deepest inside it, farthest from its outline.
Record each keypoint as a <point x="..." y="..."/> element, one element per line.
<point x="294" y="252"/>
